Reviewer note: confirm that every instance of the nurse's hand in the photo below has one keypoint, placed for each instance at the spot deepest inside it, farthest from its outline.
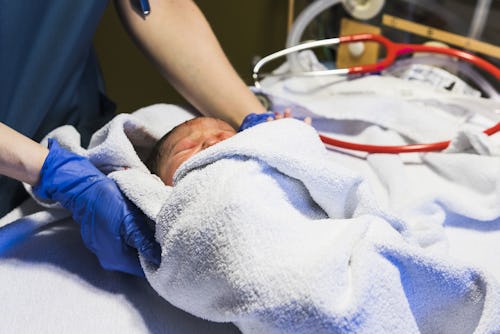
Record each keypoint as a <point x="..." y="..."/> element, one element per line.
<point x="254" y="119"/>
<point x="111" y="226"/>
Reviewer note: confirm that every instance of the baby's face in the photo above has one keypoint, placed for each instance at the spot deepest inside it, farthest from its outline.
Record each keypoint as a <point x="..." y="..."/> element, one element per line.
<point x="188" y="139"/>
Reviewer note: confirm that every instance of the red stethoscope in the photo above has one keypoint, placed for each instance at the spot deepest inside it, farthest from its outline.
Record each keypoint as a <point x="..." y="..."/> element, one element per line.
<point x="393" y="50"/>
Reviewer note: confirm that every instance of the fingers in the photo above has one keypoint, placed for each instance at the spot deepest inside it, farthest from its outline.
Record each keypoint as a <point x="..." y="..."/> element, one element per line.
<point x="254" y="119"/>
<point x="287" y="113"/>
<point x="138" y="235"/>
<point x="152" y="253"/>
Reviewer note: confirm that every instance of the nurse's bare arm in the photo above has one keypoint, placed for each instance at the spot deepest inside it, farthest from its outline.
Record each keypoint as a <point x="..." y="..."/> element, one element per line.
<point x="20" y="157"/>
<point x="177" y="37"/>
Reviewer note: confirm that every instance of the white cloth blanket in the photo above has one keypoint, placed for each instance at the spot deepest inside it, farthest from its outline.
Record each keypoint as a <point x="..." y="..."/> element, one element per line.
<point x="51" y="283"/>
<point x="269" y="231"/>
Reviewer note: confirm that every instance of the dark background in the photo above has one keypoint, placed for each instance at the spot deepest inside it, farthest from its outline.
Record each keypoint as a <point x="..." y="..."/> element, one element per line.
<point x="245" y="29"/>
<point x="255" y="28"/>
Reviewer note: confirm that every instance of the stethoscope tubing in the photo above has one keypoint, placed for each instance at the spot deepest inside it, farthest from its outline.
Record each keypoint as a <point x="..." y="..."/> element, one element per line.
<point x="393" y="50"/>
<point x="396" y="149"/>
<point x="397" y="49"/>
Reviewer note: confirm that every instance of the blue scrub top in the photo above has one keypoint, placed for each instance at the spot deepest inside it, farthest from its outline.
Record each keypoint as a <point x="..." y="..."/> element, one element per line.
<point x="49" y="74"/>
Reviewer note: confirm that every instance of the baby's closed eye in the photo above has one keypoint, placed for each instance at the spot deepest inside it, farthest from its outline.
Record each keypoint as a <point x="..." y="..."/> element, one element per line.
<point x="185" y="144"/>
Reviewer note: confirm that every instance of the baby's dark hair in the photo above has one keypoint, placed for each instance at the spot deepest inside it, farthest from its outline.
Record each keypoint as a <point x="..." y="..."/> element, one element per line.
<point x="157" y="153"/>
<point x="154" y="158"/>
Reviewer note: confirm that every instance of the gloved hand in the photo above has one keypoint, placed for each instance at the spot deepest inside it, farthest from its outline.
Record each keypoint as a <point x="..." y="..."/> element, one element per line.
<point x="254" y="119"/>
<point x="111" y="226"/>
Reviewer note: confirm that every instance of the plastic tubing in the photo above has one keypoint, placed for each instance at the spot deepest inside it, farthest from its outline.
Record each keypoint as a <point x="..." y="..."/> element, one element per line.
<point x="412" y="148"/>
<point x="300" y="25"/>
<point x="365" y="10"/>
<point x="305" y="18"/>
<point x="479" y="19"/>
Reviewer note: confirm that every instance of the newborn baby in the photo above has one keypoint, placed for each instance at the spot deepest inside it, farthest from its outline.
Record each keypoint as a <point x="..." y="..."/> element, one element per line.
<point x="189" y="138"/>
<point x="184" y="141"/>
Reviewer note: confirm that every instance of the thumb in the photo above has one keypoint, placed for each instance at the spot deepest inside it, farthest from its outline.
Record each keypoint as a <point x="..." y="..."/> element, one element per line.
<point x="137" y="234"/>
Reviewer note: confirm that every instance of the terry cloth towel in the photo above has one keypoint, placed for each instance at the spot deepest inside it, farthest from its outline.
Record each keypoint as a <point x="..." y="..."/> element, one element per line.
<point x="119" y="148"/>
<point x="268" y="231"/>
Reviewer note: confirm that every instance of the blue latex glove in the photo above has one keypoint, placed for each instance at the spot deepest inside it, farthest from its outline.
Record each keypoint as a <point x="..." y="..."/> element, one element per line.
<point x="111" y="226"/>
<point x="254" y="119"/>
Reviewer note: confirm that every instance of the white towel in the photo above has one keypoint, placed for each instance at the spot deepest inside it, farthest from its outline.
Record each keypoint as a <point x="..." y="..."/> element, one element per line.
<point x="419" y="113"/>
<point x="265" y="230"/>
<point x="53" y="284"/>
<point x="269" y="231"/>
<point x="430" y="191"/>
<point x="119" y="148"/>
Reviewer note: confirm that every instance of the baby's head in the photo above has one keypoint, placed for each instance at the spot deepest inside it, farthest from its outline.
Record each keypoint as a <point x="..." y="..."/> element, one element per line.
<point x="184" y="141"/>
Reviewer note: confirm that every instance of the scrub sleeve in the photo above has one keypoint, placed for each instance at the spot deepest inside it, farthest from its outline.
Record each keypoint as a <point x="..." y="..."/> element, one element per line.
<point x="49" y="74"/>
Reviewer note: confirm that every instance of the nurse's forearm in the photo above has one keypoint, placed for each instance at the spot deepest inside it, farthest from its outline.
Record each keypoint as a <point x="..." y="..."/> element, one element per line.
<point x="20" y="157"/>
<point x="177" y="37"/>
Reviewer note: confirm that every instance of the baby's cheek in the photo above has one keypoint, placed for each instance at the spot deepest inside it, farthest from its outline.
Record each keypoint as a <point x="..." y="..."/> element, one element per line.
<point x="174" y="166"/>
<point x="164" y="171"/>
